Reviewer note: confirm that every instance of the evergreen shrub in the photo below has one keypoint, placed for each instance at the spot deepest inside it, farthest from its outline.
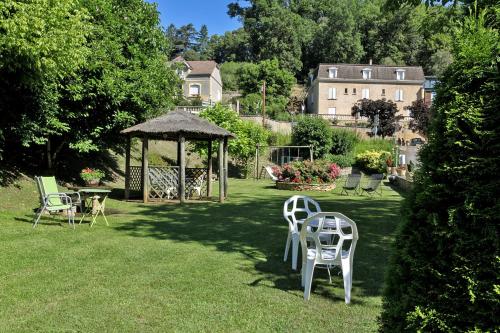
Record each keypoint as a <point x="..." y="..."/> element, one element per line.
<point x="444" y="273"/>
<point x="343" y="141"/>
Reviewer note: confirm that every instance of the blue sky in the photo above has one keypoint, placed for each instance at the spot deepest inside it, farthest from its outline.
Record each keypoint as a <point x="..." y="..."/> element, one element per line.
<point x="213" y="13"/>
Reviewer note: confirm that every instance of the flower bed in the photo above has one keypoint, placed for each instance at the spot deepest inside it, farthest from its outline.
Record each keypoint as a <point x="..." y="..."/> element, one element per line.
<point x="307" y="176"/>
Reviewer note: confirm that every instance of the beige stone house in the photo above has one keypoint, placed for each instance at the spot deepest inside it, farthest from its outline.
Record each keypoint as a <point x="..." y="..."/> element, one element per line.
<point x="201" y="79"/>
<point x="335" y="88"/>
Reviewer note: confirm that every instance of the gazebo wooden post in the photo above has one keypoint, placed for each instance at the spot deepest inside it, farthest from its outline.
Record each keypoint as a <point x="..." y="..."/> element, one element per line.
<point x="209" y="171"/>
<point x="225" y="167"/>
<point x="221" y="171"/>
<point x="178" y="152"/>
<point x="182" y="169"/>
<point x="127" y="169"/>
<point x="145" y="170"/>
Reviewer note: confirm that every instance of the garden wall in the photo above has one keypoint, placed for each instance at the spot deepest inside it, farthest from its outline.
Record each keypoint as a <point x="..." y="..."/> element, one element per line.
<point x="403" y="183"/>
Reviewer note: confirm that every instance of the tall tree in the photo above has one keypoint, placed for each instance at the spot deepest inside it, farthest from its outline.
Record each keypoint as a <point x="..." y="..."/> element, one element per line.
<point x="336" y="36"/>
<point x="444" y="273"/>
<point x="275" y="31"/>
<point x="232" y="46"/>
<point x="42" y="45"/>
<point x="202" y="40"/>
<point x="420" y="116"/>
<point x="102" y="67"/>
<point x="279" y="81"/>
<point x="383" y="110"/>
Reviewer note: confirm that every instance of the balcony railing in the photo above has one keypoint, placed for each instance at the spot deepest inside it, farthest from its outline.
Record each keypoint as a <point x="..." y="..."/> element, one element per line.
<point x="191" y="109"/>
<point x="348" y="117"/>
<point x="197" y="109"/>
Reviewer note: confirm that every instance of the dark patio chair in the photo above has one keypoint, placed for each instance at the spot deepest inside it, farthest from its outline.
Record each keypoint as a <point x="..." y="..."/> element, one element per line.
<point x="373" y="185"/>
<point x="351" y="183"/>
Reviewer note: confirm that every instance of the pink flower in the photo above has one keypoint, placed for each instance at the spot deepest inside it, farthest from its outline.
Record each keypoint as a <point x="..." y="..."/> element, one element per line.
<point x="334" y="171"/>
<point x="276" y="171"/>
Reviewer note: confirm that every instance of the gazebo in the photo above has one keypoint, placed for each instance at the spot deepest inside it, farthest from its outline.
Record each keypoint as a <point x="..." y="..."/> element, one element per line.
<point x="157" y="182"/>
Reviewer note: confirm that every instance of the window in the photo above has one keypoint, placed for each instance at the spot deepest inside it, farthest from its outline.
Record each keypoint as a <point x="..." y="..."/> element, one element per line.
<point x="400" y="74"/>
<point x="365" y="93"/>
<point x="332" y="72"/>
<point x="346" y="91"/>
<point x="367" y="73"/>
<point x="194" y="89"/>
<point x="399" y="95"/>
<point x="332" y="93"/>
<point x="332" y="111"/>
<point x="354" y="91"/>
<point x="383" y="92"/>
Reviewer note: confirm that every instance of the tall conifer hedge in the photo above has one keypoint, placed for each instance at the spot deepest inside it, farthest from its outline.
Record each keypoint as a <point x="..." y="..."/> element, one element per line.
<point x="444" y="276"/>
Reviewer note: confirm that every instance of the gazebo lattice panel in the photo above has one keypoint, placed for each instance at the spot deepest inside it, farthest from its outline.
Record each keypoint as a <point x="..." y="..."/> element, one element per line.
<point x="135" y="178"/>
<point x="163" y="182"/>
<point x="197" y="177"/>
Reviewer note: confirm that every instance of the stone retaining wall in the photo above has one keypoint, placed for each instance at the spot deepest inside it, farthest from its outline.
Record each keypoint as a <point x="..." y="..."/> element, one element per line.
<point x="402" y="183"/>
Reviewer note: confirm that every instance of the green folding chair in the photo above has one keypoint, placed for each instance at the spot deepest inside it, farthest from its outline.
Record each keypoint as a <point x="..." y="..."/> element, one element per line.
<point x="53" y="201"/>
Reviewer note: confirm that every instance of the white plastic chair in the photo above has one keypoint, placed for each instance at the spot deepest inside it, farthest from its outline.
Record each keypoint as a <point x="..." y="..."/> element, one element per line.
<point x="196" y="186"/>
<point x="338" y="250"/>
<point x="270" y="173"/>
<point x="293" y="207"/>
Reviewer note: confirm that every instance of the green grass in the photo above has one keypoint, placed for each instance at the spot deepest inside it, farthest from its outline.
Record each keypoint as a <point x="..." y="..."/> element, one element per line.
<point x="196" y="267"/>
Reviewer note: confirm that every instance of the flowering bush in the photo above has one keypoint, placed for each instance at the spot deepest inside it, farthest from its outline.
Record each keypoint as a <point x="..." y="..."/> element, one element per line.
<point x="308" y="172"/>
<point x="89" y="174"/>
<point x="373" y="161"/>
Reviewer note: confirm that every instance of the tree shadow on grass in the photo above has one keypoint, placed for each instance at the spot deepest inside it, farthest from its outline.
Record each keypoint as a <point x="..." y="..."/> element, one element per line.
<point x="252" y="224"/>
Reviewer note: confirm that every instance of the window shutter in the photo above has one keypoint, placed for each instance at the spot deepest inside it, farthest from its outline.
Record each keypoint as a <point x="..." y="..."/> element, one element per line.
<point x="399" y="95"/>
<point x="365" y="93"/>
<point x="332" y="73"/>
<point x="332" y="93"/>
<point x="194" y="89"/>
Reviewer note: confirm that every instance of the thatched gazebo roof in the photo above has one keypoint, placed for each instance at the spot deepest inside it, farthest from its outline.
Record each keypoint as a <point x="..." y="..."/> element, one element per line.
<point x="178" y="123"/>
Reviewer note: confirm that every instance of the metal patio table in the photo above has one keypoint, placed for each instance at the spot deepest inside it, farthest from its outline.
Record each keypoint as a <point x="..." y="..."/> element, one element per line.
<point x="94" y="200"/>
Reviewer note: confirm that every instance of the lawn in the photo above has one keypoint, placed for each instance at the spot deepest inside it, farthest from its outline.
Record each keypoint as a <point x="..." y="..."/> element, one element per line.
<point x="197" y="267"/>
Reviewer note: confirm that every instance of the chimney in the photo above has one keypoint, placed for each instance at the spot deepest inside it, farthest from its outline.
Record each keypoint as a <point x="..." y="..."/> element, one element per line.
<point x="370" y="62"/>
